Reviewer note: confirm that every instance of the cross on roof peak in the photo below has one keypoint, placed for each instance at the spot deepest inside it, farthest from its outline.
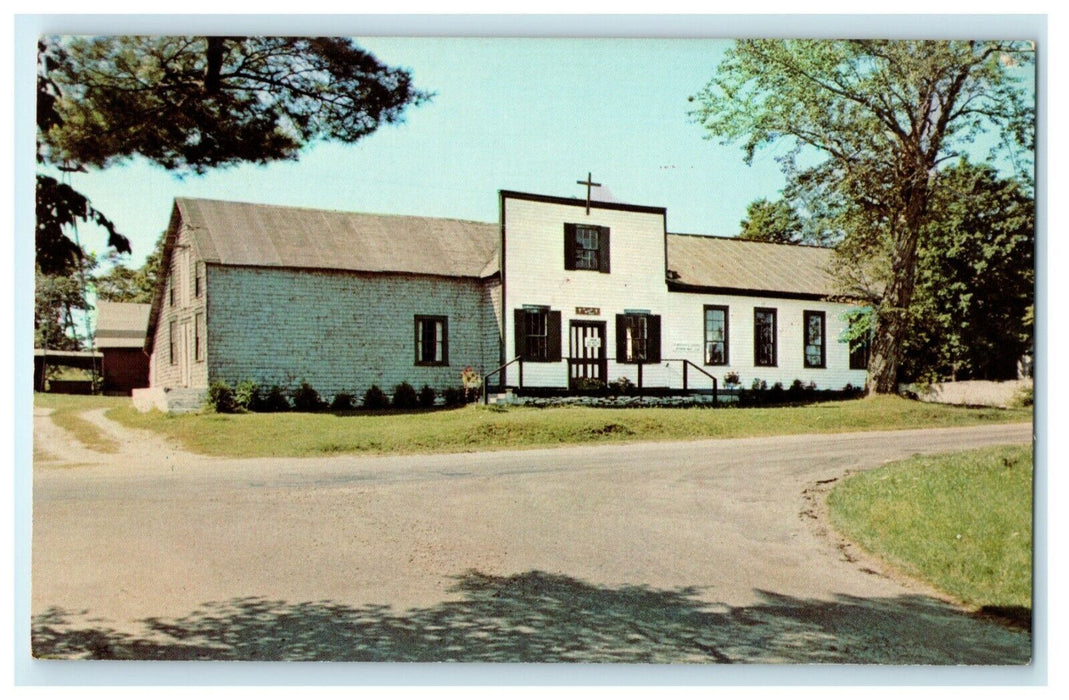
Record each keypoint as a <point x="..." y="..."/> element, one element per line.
<point x="589" y="182"/>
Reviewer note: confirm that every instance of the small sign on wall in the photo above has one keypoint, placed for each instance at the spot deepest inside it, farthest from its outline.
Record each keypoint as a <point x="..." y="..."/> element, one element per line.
<point x="592" y="342"/>
<point x="587" y="311"/>
<point x="687" y="348"/>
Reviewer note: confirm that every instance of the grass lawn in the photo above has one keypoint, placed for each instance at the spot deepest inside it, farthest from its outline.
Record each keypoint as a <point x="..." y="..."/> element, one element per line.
<point x="65" y="410"/>
<point x="962" y="522"/>
<point x="479" y="428"/>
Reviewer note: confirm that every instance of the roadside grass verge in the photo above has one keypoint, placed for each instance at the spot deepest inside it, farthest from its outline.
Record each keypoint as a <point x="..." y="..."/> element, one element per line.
<point x="962" y="522"/>
<point x="475" y="428"/>
<point x="65" y="410"/>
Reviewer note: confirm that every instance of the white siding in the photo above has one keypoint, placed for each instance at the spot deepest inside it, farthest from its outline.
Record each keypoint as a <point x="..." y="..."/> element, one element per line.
<point x="535" y="275"/>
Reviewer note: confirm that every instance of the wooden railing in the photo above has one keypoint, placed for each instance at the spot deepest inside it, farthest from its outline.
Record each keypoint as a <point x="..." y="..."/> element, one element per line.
<point x="686" y="364"/>
<point x="486" y="379"/>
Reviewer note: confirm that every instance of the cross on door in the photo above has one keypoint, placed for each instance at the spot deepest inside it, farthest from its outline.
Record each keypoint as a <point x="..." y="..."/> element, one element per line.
<point x="589" y="183"/>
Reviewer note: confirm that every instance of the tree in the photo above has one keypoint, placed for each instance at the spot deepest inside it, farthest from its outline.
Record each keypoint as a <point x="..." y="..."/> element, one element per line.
<point x="773" y="222"/>
<point x="193" y="103"/>
<point x="971" y="316"/>
<point x="121" y="283"/>
<point x="56" y="299"/>
<point x="881" y="117"/>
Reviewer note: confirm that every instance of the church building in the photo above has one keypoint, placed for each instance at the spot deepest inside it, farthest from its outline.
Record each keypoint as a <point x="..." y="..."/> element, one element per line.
<point x="570" y="294"/>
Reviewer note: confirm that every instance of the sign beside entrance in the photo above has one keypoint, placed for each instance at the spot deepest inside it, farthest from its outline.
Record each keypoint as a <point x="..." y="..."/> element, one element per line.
<point x="592" y="342"/>
<point x="587" y="311"/>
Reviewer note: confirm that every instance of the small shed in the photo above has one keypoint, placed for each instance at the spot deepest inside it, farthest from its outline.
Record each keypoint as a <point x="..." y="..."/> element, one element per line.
<point x="120" y="338"/>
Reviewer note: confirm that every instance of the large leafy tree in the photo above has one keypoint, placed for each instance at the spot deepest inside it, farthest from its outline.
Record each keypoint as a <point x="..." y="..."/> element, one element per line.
<point x="972" y="312"/>
<point x="193" y="103"/>
<point x="868" y="125"/>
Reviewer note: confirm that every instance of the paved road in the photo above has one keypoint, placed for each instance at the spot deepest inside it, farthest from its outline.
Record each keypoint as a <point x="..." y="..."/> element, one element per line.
<point x="701" y="551"/>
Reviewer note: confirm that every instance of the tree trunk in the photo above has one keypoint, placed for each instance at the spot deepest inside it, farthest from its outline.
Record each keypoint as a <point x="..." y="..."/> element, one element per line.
<point x="892" y="317"/>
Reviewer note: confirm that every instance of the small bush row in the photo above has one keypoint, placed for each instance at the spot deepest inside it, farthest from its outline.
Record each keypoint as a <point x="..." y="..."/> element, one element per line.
<point x="248" y="396"/>
<point x="761" y="394"/>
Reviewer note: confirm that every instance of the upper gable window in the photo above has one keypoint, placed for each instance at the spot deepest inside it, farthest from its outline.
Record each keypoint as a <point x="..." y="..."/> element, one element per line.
<point x="586" y="247"/>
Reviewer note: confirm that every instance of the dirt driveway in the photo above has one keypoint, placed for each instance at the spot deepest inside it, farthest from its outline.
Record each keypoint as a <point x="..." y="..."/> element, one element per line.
<point x="696" y="552"/>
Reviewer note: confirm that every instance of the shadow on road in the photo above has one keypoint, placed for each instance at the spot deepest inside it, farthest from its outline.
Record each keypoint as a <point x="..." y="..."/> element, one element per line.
<point x="540" y="617"/>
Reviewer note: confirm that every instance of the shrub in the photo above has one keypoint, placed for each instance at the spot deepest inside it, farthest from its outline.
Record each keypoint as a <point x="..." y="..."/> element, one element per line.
<point x="454" y="396"/>
<point x="1024" y="397"/>
<point x="589" y="384"/>
<point x="375" y="398"/>
<point x="623" y="385"/>
<point x="343" y="402"/>
<point x="732" y="379"/>
<point x="426" y="397"/>
<point x="472" y="382"/>
<point x="776" y="393"/>
<point x="221" y="397"/>
<point x="306" y="398"/>
<point x="404" y="396"/>
<point x="247" y="395"/>
<point x="275" y="400"/>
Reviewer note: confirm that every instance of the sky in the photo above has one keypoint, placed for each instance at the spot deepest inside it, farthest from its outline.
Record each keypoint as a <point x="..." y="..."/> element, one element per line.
<point x="526" y="114"/>
<point x="533" y="115"/>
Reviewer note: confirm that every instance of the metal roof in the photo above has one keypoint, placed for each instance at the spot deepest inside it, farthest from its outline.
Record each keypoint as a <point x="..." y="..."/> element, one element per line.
<point x="237" y="233"/>
<point x="121" y="325"/>
<point x="727" y="264"/>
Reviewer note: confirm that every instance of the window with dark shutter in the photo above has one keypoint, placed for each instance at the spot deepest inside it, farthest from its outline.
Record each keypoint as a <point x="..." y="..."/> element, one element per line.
<point x="432" y="340"/>
<point x="586" y="247"/>
<point x="813" y="355"/>
<point x="538" y="334"/>
<point x="764" y="337"/>
<point x="638" y="338"/>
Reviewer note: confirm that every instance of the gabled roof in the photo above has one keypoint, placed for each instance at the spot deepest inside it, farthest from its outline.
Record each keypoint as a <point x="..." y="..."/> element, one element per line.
<point x="121" y="325"/>
<point x="731" y="265"/>
<point x="238" y="233"/>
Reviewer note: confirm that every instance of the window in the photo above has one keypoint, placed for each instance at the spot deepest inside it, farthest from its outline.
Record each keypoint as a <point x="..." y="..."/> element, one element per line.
<point x="716" y="335"/>
<point x="536" y="329"/>
<point x="764" y="337"/>
<point x="198" y="338"/>
<point x="198" y="281"/>
<point x="586" y="247"/>
<point x="173" y="333"/>
<point x="432" y="340"/>
<point x="171" y="285"/>
<point x="813" y="356"/>
<point x="538" y="333"/>
<point x="638" y="338"/>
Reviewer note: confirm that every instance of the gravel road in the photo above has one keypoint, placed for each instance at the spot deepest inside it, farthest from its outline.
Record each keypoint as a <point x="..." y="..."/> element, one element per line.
<point x="707" y="551"/>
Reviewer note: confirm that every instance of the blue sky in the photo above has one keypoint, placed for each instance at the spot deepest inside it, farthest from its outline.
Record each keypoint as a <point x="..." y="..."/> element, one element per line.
<point x="523" y="114"/>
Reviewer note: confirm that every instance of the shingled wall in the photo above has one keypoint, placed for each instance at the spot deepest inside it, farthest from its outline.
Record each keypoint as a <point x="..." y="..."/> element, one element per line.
<point x="341" y="331"/>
